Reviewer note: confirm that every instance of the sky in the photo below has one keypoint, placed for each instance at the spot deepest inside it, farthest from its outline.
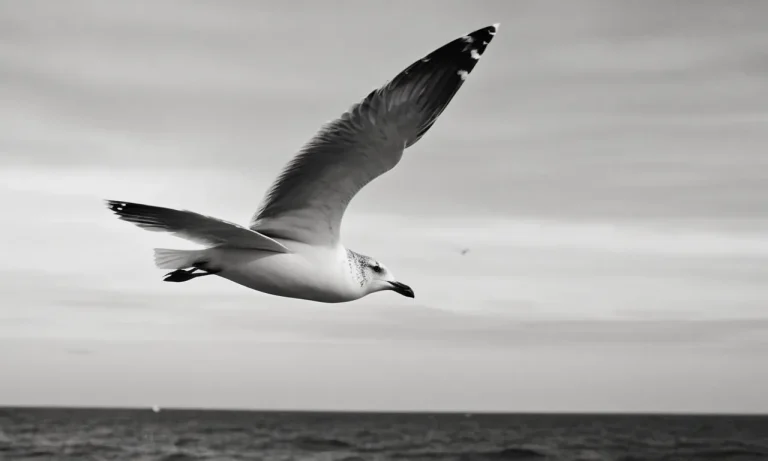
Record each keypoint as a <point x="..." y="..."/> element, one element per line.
<point x="605" y="165"/>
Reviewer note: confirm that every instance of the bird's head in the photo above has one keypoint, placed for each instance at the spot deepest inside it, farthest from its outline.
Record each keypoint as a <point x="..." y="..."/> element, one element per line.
<point x="380" y="278"/>
<point x="374" y="276"/>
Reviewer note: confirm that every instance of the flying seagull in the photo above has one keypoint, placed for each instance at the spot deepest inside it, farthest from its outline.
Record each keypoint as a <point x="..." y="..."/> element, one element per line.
<point x="292" y="247"/>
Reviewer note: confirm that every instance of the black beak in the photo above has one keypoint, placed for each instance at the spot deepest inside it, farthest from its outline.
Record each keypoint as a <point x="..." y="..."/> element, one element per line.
<point x="402" y="289"/>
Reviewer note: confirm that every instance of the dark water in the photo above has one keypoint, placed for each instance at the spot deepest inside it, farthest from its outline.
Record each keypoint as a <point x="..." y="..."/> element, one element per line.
<point x="78" y="434"/>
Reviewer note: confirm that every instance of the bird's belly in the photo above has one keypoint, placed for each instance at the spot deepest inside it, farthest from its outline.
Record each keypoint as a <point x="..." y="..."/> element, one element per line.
<point x="283" y="274"/>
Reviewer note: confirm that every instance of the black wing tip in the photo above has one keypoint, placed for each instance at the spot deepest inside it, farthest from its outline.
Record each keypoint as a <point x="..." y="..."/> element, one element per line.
<point x="122" y="205"/>
<point x="115" y="205"/>
<point x="487" y="31"/>
<point x="475" y="43"/>
<point x="144" y="216"/>
<point x="462" y="53"/>
<point x="441" y="73"/>
<point x="125" y="210"/>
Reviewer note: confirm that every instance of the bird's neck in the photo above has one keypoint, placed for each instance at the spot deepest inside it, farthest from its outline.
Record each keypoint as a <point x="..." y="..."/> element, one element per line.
<point x="356" y="263"/>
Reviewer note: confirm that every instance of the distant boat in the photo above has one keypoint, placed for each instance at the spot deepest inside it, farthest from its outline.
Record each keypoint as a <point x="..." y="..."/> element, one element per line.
<point x="155" y="408"/>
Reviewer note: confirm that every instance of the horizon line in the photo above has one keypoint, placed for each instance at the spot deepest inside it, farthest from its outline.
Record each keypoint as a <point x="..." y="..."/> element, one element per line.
<point x="425" y="412"/>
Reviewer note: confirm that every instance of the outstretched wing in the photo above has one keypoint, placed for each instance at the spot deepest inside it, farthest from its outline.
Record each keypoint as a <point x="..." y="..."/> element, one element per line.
<point x="194" y="227"/>
<point x="308" y="200"/>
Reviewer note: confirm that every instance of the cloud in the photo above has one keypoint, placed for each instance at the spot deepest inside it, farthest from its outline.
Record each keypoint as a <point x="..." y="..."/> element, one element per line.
<point x="405" y="375"/>
<point x="54" y="306"/>
<point x="605" y="166"/>
<point x="441" y="327"/>
<point x="607" y="115"/>
<point x="58" y="235"/>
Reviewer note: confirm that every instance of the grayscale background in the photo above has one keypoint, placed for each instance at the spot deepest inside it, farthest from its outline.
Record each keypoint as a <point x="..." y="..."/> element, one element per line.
<point x="605" y="165"/>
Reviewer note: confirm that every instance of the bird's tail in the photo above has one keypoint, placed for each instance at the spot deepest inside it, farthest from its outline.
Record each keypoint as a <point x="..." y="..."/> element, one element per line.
<point x="176" y="259"/>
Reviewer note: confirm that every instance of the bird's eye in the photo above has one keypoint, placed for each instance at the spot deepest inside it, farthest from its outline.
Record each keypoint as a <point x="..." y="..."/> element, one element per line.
<point x="376" y="268"/>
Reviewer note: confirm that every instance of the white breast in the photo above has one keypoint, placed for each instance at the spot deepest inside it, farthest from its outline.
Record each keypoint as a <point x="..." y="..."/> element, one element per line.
<point x="311" y="273"/>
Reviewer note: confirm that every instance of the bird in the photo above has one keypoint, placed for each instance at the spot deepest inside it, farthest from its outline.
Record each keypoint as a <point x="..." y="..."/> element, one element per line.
<point x="292" y="246"/>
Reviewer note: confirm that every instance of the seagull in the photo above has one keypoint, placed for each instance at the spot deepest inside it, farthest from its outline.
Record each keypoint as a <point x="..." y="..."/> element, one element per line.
<point x="292" y="247"/>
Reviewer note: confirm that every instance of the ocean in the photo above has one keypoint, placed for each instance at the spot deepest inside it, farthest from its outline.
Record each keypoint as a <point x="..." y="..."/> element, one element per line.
<point x="178" y="435"/>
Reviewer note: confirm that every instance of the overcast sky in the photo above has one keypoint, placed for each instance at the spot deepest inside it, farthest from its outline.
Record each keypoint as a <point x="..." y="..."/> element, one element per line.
<point x="605" y="164"/>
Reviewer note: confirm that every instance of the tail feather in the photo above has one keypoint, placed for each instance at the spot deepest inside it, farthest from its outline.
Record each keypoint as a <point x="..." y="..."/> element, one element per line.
<point x="176" y="259"/>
